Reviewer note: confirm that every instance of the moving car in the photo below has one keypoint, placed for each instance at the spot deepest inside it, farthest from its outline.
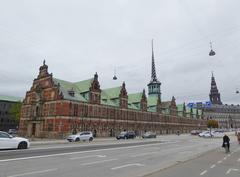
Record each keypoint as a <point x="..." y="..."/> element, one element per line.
<point x="195" y="132"/>
<point x="81" y="136"/>
<point x="9" y="142"/>
<point x="203" y="134"/>
<point x="149" y="135"/>
<point x="126" y="135"/>
<point x="12" y="131"/>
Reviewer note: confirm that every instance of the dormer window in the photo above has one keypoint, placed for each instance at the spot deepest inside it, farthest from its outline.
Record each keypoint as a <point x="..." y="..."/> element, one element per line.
<point x="71" y="93"/>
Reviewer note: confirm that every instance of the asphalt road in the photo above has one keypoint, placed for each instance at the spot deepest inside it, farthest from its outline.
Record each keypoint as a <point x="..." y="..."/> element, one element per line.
<point x="130" y="158"/>
<point x="212" y="164"/>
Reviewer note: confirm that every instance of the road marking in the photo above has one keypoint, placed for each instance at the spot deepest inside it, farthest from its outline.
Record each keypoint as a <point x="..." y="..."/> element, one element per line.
<point x="143" y="154"/>
<point x="231" y="169"/>
<point x="205" y="171"/>
<point x="238" y="160"/>
<point x="34" y="172"/>
<point x="219" y="161"/>
<point x="96" y="162"/>
<point x="84" y="157"/>
<point x="128" y="165"/>
<point x="213" y="166"/>
<point x="229" y="155"/>
<point x="224" y="158"/>
<point x="81" y="152"/>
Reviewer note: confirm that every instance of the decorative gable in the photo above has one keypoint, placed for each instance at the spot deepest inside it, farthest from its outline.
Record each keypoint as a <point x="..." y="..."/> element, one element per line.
<point x="123" y="97"/>
<point x="95" y="91"/>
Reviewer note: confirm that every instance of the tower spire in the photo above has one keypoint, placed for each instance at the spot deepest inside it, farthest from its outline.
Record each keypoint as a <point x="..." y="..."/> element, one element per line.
<point x="154" y="76"/>
<point x="214" y="94"/>
<point x="154" y="87"/>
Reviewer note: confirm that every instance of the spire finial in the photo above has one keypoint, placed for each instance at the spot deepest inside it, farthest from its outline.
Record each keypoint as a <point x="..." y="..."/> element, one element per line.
<point x="153" y="77"/>
<point x="44" y="61"/>
<point x="212" y="74"/>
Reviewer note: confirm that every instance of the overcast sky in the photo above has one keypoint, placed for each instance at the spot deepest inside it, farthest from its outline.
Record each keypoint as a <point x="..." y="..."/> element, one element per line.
<point x="78" y="38"/>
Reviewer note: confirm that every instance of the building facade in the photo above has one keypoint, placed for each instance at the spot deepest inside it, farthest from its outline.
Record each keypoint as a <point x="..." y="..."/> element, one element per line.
<point x="6" y="119"/>
<point x="228" y="116"/>
<point x="54" y="108"/>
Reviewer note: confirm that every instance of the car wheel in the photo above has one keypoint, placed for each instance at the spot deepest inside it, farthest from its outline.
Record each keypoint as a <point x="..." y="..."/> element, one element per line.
<point x="22" y="145"/>
<point x="91" y="138"/>
<point x="77" y="139"/>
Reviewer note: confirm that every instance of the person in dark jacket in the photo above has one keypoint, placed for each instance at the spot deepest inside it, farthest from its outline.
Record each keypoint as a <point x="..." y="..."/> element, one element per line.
<point x="226" y="140"/>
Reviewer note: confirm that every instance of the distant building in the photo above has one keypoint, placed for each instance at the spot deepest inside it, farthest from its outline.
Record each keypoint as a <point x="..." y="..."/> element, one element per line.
<point x="54" y="108"/>
<point x="6" y="120"/>
<point x="228" y="116"/>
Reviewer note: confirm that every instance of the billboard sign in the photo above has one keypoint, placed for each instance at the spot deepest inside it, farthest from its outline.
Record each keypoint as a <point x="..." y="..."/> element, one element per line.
<point x="199" y="105"/>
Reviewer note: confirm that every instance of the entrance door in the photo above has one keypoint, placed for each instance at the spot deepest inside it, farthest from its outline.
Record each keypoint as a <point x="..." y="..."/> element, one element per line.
<point x="33" y="129"/>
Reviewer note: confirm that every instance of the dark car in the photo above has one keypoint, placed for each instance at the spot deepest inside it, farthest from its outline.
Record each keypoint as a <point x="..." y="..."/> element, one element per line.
<point x="149" y="135"/>
<point x="126" y="135"/>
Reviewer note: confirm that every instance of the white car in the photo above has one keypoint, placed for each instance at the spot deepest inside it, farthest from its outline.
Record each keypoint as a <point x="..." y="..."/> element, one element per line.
<point x="217" y="134"/>
<point x="82" y="136"/>
<point x="9" y="142"/>
<point x="204" y="133"/>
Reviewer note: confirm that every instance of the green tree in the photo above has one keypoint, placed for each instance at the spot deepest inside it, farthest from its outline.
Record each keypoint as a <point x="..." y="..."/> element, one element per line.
<point x="15" y="111"/>
<point x="212" y="124"/>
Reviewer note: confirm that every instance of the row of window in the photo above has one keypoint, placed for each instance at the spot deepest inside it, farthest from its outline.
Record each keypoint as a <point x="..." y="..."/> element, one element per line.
<point x="3" y="112"/>
<point x="2" y="120"/>
<point x="3" y="105"/>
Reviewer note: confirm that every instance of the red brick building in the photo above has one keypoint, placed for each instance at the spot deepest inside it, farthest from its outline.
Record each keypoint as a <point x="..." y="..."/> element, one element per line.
<point x="54" y="108"/>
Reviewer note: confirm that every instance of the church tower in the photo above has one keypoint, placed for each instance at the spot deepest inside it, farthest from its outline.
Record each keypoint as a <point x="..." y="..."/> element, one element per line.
<point x="214" y="94"/>
<point x="154" y="87"/>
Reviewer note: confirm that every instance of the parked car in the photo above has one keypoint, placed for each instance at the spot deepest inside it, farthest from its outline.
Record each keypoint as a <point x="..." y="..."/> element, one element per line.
<point x="81" y="136"/>
<point x="9" y="142"/>
<point x="195" y="132"/>
<point x="149" y="135"/>
<point x="204" y="133"/>
<point x="12" y="131"/>
<point x="217" y="134"/>
<point x="126" y="135"/>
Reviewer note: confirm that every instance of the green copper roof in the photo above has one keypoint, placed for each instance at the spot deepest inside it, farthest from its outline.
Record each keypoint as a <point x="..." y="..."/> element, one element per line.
<point x="132" y="106"/>
<point x="110" y="96"/>
<point x="180" y="107"/>
<point x="108" y="102"/>
<point x="84" y="85"/>
<point x="152" y="101"/>
<point x="152" y="109"/>
<point x="111" y="93"/>
<point x="10" y="98"/>
<point x="66" y="86"/>
<point x="166" y="104"/>
<point x="134" y="97"/>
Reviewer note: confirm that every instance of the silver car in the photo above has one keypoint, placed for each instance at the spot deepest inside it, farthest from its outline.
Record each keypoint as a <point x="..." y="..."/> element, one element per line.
<point x="81" y="136"/>
<point x="149" y="135"/>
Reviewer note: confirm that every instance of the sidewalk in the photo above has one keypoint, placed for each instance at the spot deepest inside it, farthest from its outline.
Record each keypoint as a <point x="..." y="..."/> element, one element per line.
<point x="39" y="141"/>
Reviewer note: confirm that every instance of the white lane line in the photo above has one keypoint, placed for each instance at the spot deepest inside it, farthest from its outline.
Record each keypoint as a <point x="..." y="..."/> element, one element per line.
<point x="34" y="172"/>
<point x="81" y="152"/>
<point x="213" y="166"/>
<point x="89" y="156"/>
<point x="229" y="155"/>
<point x="219" y="161"/>
<point x="128" y="165"/>
<point x="238" y="160"/>
<point x="205" y="171"/>
<point x="143" y="154"/>
<point x="96" y="162"/>
<point x="224" y="158"/>
<point x="231" y="169"/>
